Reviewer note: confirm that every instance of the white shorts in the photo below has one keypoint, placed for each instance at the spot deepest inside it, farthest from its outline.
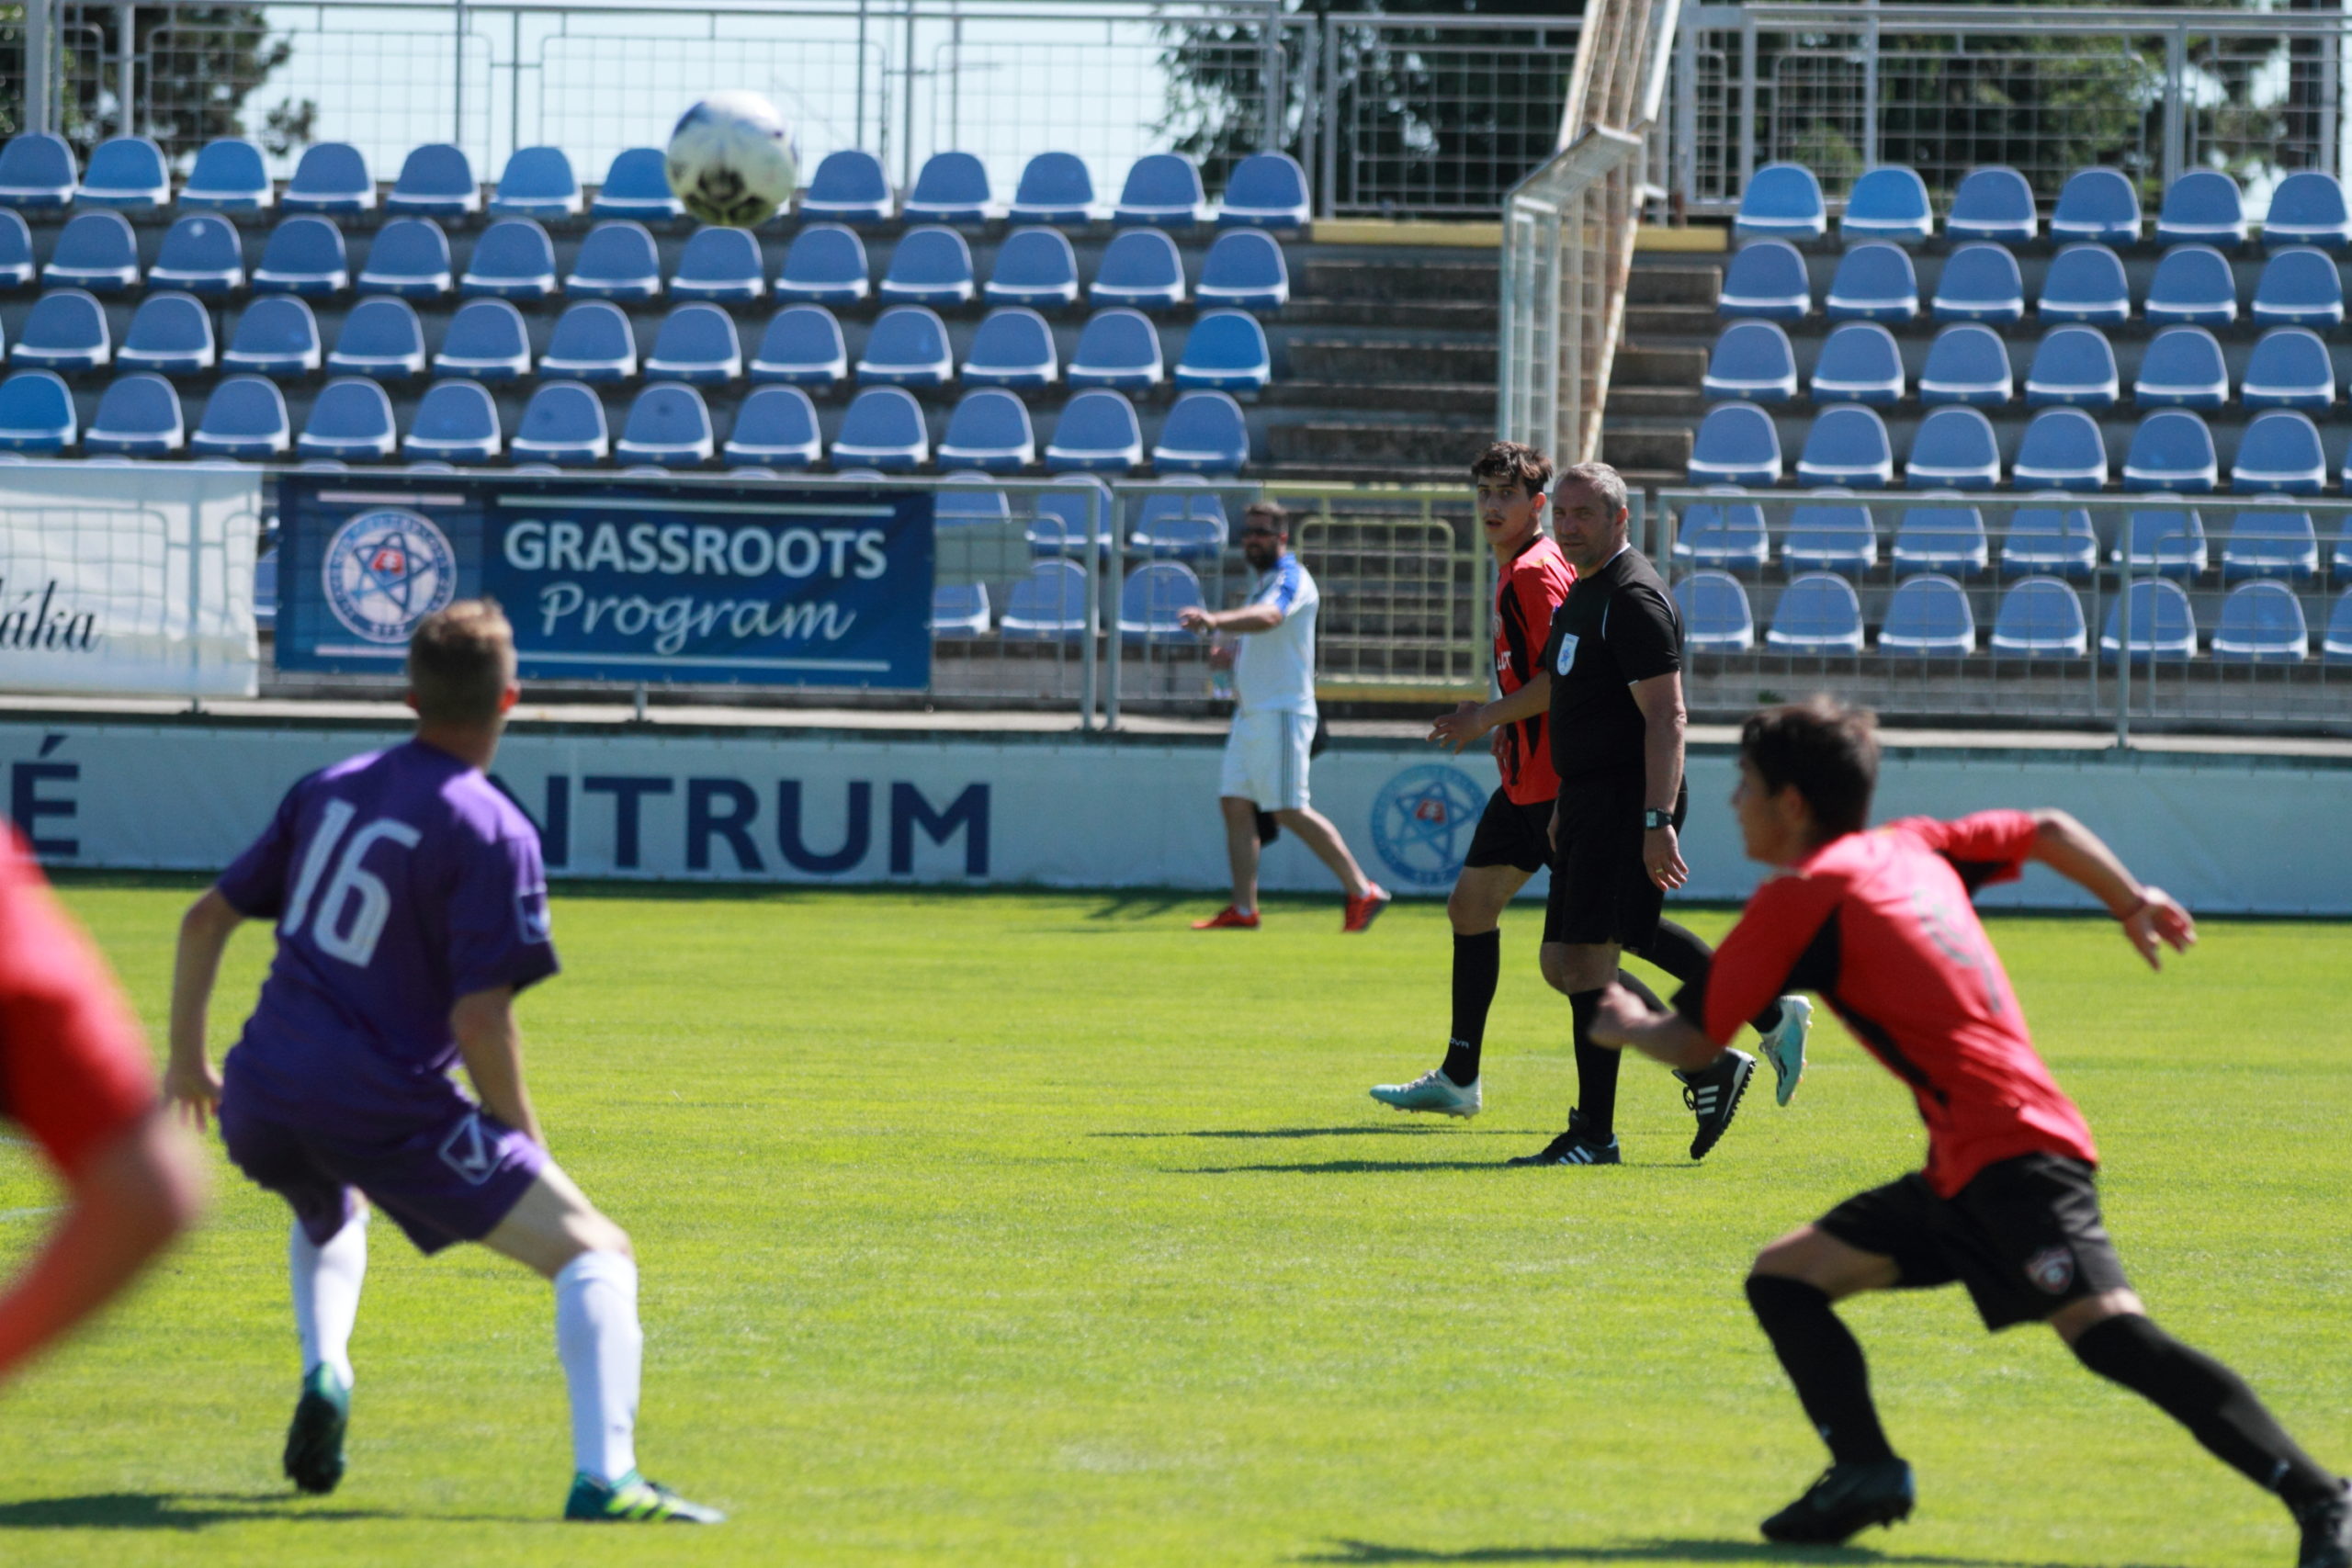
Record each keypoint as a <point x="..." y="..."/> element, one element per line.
<point x="1265" y="758"/>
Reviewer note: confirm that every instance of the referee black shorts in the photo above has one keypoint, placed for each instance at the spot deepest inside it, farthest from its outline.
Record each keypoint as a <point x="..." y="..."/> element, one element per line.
<point x="1600" y="891"/>
<point x="1512" y="834"/>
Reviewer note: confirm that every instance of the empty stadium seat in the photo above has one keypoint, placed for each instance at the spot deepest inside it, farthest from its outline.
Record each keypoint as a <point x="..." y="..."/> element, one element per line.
<point x="2073" y="365"/>
<point x="960" y="610"/>
<point x="1735" y="444"/>
<point x="2040" y="618"/>
<point x="1097" y="431"/>
<point x="2171" y="450"/>
<point x="37" y="169"/>
<point x="1980" y="282"/>
<point x="2182" y="369"/>
<point x="202" y="255"/>
<point x="2307" y="209"/>
<point x="1205" y="434"/>
<point x="2097" y="204"/>
<point x="66" y="329"/>
<point x="2288" y="369"/>
<point x="1013" y="347"/>
<point x="486" y="341"/>
<point x="96" y="251"/>
<point x="245" y="417"/>
<point x="1726" y="535"/>
<point x="1874" y="283"/>
<point x="2262" y="622"/>
<point x="1189" y="523"/>
<point x="455" y="423"/>
<point x="775" y="425"/>
<point x="229" y="176"/>
<point x="2062" y="449"/>
<point x="1048" y="606"/>
<point x="1817" y="613"/>
<point x="410" y="257"/>
<point x="435" y="179"/>
<point x="637" y="185"/>
<point x="2193" y="284"/>
<point x="931" y="266"/>
<point x="1267" y="190"/>
<point x="668" y="426"/>
<point x="1859" y="363"/>
<point x="2202" y="207"/>
<point x="1140" y="268"/>
<point x="16" y="267"/>
<point x="563" y="422"/>
<point x="351" y="420"/>
<point x="802" y="346"/>
<point x="1967" y="364"/>
<point x="127" y="172"/>
<point x="1830" y="532"/>
<point x="1889" y="203"/>
<point x="381" y="338"/>
<point x="884" y="427"/>
<point x="1928" y="616"/>
<point x="908" y="348"/>
<point x="616" y="260"/>
<point x="696" y="342"/>
<point x="1947" y="538"/>
<point x="514" y="259"/>
<point x="303" y="256"/>
<point x="1783" y="201"/>
<point x="138" y="416"/>
<point x="2050" y="540"/>
<point x="2169" y="541"/>
<point x="1067" y="516"/>
<point x="2084" y="283"/>
<point x="591" y="342"/>
<point x="537" y="182"/>
<point x="1715" y="616"/>
<point x="36" y="412"/>
<point x="2337" y="644"/>
<point x="276" y="336"/>
<point x="2341" y="565"/>
<point x="1225" y="350"/>
<point x="1153" y="597"/>
<point x="952" y="188"/>
<point x="1846" y="445"/>
<point x="1033" y="267"/>
<point x="1993" y="203"/>
<point x="2268" y="543"/>
<point x="825" y="266"/>
<point x="724" y="263"/>
<point x="1117" y="348"/>
<point x="2280" y="453"/>
<point x="1055" y="188"/>
<point x="331" y="178"/>
<point x="171" y="333"/>
<point x="2164" y="627"/>
<point x="1766" y="280"/>
<point x="849" y="186"/>
<point x="1163" y="189"/>
<point x="989" y="431"/>
<point x="1754" y="360"/>
<point x="2299" y="288"/>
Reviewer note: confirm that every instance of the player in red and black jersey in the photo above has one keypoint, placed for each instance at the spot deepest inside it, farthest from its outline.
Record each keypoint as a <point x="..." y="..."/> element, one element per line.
<point x="1880" y="923"/>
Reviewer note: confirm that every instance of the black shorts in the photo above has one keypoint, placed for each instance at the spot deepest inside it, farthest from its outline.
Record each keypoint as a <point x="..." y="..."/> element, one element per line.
<point x="1512" y="834"/>
<point x="1600" y="890"/>
<point x="2025" y="1237"/>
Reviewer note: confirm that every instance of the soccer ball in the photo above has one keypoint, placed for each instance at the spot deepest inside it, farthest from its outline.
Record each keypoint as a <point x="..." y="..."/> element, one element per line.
<point x="732" y="160"/>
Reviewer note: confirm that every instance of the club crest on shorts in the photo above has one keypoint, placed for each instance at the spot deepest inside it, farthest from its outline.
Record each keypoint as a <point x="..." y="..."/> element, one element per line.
<point x="2052" y="1268"/>
<point x="471" y="1151"/>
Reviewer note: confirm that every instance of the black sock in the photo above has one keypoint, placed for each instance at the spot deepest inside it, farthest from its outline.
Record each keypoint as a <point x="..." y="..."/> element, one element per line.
<point x="1477" y="965"/>
<point x="2209" y="1399"/>
<point x="1677" y="951"/>
<point x="1825" y="1361"/>
<point x="1596" y="1069"/>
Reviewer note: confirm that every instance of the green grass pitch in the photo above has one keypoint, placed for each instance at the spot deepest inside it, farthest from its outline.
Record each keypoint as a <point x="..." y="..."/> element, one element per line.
<point x="1031" y="1229"/>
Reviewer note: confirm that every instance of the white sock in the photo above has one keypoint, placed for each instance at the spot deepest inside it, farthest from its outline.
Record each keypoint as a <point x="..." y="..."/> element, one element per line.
<point x="603" y="1352"/>
<point x="326" y="1282"/>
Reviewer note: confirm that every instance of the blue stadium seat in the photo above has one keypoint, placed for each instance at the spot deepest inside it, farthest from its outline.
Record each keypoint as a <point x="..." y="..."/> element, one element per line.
<point x="2168" y="541"/>
<point x="127" y="172"/>
<point x="487" y="341"/>
<point x="1928" y="616"/>
<point x="1736" y="444"/>
<point x="2182" y="369"/>
<point x="1948" y="538"/>
<point x="2340" y="566"/>
<point x="381" y="338"/>
<point x="778" y="426"/>
<point x="1874" y="283"/>
<point x="1860" y="363"/>
<point x="952" y="188"/>
<point x="668" y="426"/>
<point x="2040" y="618"/>
<point x="989" y="431"/>
<point x="1097" y="431"/>
<point x="724" y="263"/>
<point x="202" y="255"/>
<point x="304" y="255"/>
<point x="2288" y="369"/>
<point x="1225" y="350"/>
<point x="1033" y="267"/>
<point x="2337" y="645"/>
<point x="1726" y="535"/>
<point x="2084" y="283"/>
<point x="538" y="183"/>
<point x="228" y="176"/>
<point x="1244" y="270"/>
<point x="455" y="422"/>
<point x="825" y="266"/>
<point x="1205" y="434"/>
<point x="696" y="342"/>
<point x="1062" y="523"/>
<point x="1013" y="347"/>
<point x="563" y="422"/>
<point x="616" y="260"/>
<point x="1152" y="598"/>
<point x="1846" y="445"/>
<point x="1767" y="281"/>
<point x="1817" y="613"/>
<point x="139" y="416"/>
<point x="960" y="610"/>
<point x="849" y="186"/>
<point x="802" y="346"/>
<point x="97" y="252"/>
<point x="907" y="347"/>
<point x="1163" y="189"/>
<point x="276" y="336"/>
<point x="438" y="180"/>
<point x="351" y="420"/>
<point x="1830" y="532"/>
<point x="1048" y="606"/>
<point x="1715" y="616"/>
<point x="245" y="417"/>
<point x="2049" y="540"/>
<point x="332" y="177"/>
<point x="171" y="333"/>
<point x="1980" y="282"/>
<point x="1954" y="449"/>
<point x="1968" y="362"/>
<point x="1889" y="203"/>
<point x="2202" y="207"/>
<point x="1055" y="188"/>
<point x="2171" y="450"/>
<point x="1139" y="269"/>
<point x="2280" y="453"/>
<point x="931" y="266"/>
<point x="66" y="329"/>
<point x="1753" y="360"/>
<point x="2262" y="622"/>
<point x="884" y="427"/>
<point x="1188" y="524"/>
<point x="1266" y="190"/>
<point x="410" y="257"/>
<point x="2163" y="626"/>
<point x="36" y="412"/>
<point x="637" y="185"/>
<point x="2193" y="284"/>
<point x="512" y="260"/>
<point x="1118" y="348"/>
<point x="1993" y="204"/>
<point x="971" y="508"/>
<point x="2299" y="288"/>
<point x="2062" y="449"/>
<point x="2097" y="204"/>
<point x="16" y="267"/>
<point x="2271" y="544"/>
<point x="37" y="169"/>
<point x="1783" y="201"/>
<point x="591" y="343"/>
<point x="2307" y="209"/>
<point x="2073" y="365"/>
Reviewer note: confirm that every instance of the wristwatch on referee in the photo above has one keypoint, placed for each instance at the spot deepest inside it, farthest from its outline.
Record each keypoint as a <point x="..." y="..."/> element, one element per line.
<point x="1653" y="819"/>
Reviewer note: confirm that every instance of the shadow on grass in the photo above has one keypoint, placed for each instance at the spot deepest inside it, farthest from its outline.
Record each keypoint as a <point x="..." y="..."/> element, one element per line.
<point x="1406" y="1130"/>
<point x="1386" y="1166"/>
<point x="1670" y="1551"/>
<point x="188" y="1511"/>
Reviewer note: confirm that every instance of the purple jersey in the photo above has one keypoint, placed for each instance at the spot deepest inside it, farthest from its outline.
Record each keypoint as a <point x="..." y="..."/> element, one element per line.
<point x="400" y="881"/>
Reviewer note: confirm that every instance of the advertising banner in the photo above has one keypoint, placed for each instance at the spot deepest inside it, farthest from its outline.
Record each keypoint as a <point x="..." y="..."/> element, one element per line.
<point x="613" y="578"/>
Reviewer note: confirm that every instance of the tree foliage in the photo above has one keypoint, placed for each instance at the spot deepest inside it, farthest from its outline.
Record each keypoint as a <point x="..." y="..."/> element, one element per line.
<point x="197" y="68"/>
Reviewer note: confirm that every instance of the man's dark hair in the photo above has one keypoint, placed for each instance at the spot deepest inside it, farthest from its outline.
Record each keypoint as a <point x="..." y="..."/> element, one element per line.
<point x="1827" y="751"/>
<point x="459" y="661"/>
<point x="1515" y="462"/>
<point x="1273" y="513"/>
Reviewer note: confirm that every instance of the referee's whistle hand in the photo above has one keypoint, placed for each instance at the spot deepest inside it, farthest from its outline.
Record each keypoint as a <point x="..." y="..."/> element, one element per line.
<point x="1663" y="856"/>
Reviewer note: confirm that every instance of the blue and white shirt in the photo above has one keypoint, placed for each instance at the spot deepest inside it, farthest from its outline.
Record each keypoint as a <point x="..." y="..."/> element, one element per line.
<point x="1274" y="670"/>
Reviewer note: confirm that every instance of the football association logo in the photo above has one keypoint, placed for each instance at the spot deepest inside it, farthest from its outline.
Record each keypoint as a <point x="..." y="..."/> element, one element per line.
<point x="388" y="569"/>
<point x="2052" y="1269"/>
<point x="1421" y="823"/>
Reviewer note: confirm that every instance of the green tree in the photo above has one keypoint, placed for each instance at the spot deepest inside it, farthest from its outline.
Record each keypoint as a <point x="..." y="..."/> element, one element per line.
<point x="197" y="67"/>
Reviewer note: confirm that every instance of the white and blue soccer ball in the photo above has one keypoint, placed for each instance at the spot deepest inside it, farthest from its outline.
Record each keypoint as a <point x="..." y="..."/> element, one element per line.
<point x="733" y="160"/>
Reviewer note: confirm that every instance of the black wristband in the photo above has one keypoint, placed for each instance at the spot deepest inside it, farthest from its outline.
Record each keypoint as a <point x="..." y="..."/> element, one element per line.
<point x="1653" y="818"/>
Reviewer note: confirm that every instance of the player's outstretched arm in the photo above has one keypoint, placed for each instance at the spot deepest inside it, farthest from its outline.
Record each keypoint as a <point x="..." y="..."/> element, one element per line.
<point x="491" y="1047"/>
<point x="189" y="1081"/>
<point x="2151" y="919"/>
<point x="1470" y="720"/>
<point x="1626" y="1020"/>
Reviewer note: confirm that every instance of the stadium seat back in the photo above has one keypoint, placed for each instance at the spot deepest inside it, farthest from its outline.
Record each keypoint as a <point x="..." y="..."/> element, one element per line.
<point x="37" y="171"/>
<point x="2097" y="204"/>
<point x="351" y="420"/>
<point x="1928" y="616"/>
<point x="512" y="260"/>
<point x="2062" y="449"/>
<point x="1013" y="347"/>
<point x="1065" y="517"/>
<point x="2288" y="369"/>
<point x="824" y="266"/>
<point x="1817" y="613"/>
<point x="2300" y="286"/>
<point x="229" y="176"/>
<point x="1848" y="446"/>
<point x="802" y="347"/>
<point x="2202" y="207"/>
<point x="2308" y="209"/>
<point x="382" y="337"/>
<point x="1033" y="267"/>
<point x="537" y="182"/>
<point x="1715" y="615"/>
<point x="2192" y="286"/>
<point x="2182" y="369"/>
<point x="2262" y="622"/>
<point x="276" y="335"/>
<point x="849" y="186"/>
<point x="1752" y="360"/>
<point x="617" y="261"/>
<point x="1888" y="203"/>
<point x="1140" y="268"/>
<point x="1118" y="348"/>
<point x="952" y="188"/>
<point x="2167" y="540"/>
<point x="989" y="431"/>
<point x="1947" y="538"/>
<point x="775" y="426"/>
<point x="127" y="172"/>
<point x="1766" y="281"/>
<point x="1162" y="189"/>
<point x="95" y="251"/>
<point x="1267" y="190"/>
<point x="1055" y="188"/>
<point x="884" y="427"/>
<point x="16" y="265"/>
<point x="2085" y="283"/>
<point x="331" y="178"/>
<point x="2279" y="454"/>
<point x="1827" y="533"/>
<point x="1097" y="432"/>
<point x="245" y="417"/>
<point x="1783" y="201"/>
<point x="1875" y="282"/>
<point x="1860" y="364"/>
<point x="932" y="266"/>
<point x="65" y="330"/>
<point x="2172" y="449"/>
<point x="1049" y="605"/>
<point x="563" y="422"/>
<point x="696" y="342"/>
<point x="410" y="257"/>
<point x="1736" y="444"/>
<point x="908" y="348"/>
<point x="1729" y="535"/>
<point x="171" y="333"/>
<point x="637" y="185"/>
<point x="304" y="255"/>
<point x="1206" y="432"/>
<point x="960" y="610"/>
<point x="591" y="342"/>
<point x="200" y="253"/>
<point x="2072" y="367"/>
<point x="1153" y="598"/>
<point x="2337" y="646"/>
<point x="138" y="416"/>
<point x="2271" y="544"/>
<point x="1993" y="203"/>
<point x="487" y="341"/>
<point x="1980" y="282"/>
<point x="36" y="413"/>
<point x="1188" y="524"/>
<point x="668" y="426"/>
<point x="1225" y="349"/>
<point x="2163" y="625"/>
<point x="2050" y="540"/>
<point x="1245" y="270"/>
<point x="2041" y="617"/>
<point x="438" y="179"/>
<point x="724" y="265"/>
<point x="1968" y="362"/>
<point x="455" y="423"/>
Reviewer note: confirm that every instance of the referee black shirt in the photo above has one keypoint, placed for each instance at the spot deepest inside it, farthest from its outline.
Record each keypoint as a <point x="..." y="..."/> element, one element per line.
<point x="1617" y="626"/>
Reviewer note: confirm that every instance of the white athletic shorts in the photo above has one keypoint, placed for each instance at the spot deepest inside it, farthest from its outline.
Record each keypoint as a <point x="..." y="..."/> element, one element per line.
<point x="1265" y="758"/>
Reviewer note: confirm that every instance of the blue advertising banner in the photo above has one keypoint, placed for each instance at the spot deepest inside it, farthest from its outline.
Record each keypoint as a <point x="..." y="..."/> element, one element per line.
<point x="612" y="578"/>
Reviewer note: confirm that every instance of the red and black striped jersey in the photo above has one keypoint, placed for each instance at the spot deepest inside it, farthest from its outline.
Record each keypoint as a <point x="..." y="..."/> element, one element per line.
<point x="1532" y="584"/>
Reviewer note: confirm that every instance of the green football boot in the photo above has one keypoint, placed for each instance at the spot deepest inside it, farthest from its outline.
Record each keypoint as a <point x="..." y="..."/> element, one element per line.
<point x="634" y="1500"/>
<point x="314" y="1441"/>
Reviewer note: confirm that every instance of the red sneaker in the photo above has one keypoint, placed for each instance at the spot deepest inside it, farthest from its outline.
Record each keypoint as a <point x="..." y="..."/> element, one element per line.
<point x="1229" y="919"/>
<point x="1362" y="912"/>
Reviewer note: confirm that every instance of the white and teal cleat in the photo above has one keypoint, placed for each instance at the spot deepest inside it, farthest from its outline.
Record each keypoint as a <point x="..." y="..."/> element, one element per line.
<point x="1432" y="1091"/>
<point x="1785" y="1047"/>
<point x="633" y="1500"/>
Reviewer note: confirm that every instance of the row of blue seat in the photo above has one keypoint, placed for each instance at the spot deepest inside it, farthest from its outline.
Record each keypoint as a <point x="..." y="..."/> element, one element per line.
<point x="129" y="174"/>
<point x="668" y="424"/>
<point x="515" y="259"/>
<point x="1050" y="605"/>
<point x="1784" y="201"/>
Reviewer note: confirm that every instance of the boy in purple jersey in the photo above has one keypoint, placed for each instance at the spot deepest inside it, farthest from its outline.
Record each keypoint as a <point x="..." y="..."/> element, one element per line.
<point x="411" y="907"/>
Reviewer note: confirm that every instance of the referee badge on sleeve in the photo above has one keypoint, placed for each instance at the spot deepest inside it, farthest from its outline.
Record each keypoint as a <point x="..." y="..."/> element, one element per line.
<point x="1568" y="654"/>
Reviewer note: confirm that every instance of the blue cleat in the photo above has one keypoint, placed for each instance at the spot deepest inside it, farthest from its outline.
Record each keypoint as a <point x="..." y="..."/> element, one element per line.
<point x="314" y="1442"/>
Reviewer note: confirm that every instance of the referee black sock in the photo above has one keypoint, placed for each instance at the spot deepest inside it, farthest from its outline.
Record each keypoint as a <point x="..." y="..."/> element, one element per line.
<point x="1677" y="951"/>
<point x="1825" y="1361"/>
<point x="1596" y="1069"/>
<point x="2209" y="1399"/>
<point x="1477" y="965"/>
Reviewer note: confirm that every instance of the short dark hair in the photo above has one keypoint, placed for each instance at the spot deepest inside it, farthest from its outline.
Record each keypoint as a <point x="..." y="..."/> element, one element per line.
<point x="460" y="661"/>
<point x="1825" y="751"/>
<point x="1273" y="512"/>
<point x="1516" y="462"/>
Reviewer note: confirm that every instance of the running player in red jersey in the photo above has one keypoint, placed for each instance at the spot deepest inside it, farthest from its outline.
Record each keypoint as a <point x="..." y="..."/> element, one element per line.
<point x="1880" y="923"/>
<point x="74" y="1074"/>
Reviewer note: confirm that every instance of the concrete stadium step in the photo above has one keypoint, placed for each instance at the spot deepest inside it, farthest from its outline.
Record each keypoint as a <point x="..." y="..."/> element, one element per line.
<point x="1469" y="315"/>
<point x="1424" y="357"/>
<point x="1326" y="443"/>
<point x="1401" y="273"/>
<point x="1469" y="398"/>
